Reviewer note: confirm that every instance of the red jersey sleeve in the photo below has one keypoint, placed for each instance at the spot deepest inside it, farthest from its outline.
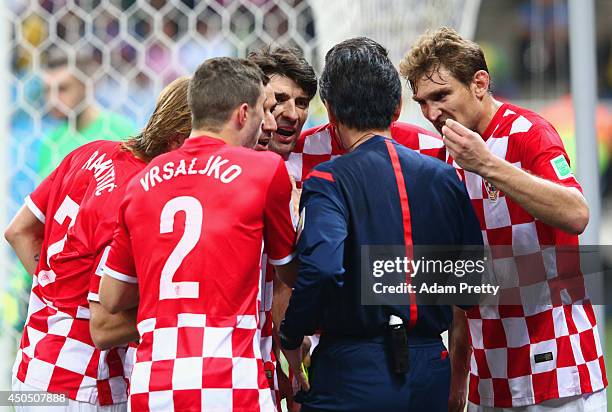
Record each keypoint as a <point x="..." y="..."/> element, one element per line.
<point x="94" y="279"/>
<point x="279" y="234"/>
<point x="37" y="200"/>
<point x="545" y="156"/>
<point x="120" y="261"/>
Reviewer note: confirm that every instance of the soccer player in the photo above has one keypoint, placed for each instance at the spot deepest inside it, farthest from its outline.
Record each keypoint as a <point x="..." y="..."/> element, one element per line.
<point x="67" y="94"/>
<point x="187" y="250"/>
<point x="57" y="354"/>
<point x="529" y="355"/>
<point x="294" y="84"/>
<point x="379" y="193"/>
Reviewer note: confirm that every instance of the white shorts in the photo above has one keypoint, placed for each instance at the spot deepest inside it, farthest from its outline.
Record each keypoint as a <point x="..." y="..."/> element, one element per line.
<point x="73" y="406"/>
<point x="589" y="402"/>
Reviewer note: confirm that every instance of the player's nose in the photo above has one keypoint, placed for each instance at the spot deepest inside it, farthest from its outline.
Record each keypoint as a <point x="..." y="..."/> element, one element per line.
<point x="290" y="112"/>
<point x="268" y="124"/>
<point x="432" y="113"/>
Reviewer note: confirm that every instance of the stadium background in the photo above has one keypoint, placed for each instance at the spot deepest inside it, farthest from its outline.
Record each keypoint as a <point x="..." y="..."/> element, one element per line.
<point x="139" y="46"/>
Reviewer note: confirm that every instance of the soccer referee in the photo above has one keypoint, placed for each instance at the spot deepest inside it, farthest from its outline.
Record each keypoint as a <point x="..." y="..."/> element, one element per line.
<point x="379" y="193"/>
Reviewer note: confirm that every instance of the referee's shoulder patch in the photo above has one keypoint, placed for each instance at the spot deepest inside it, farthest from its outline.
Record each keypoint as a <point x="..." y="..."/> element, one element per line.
<point x="322" y="175"/>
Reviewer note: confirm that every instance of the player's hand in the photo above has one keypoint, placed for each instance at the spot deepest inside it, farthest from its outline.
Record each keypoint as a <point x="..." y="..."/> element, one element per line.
<point x="295" y="197"/>
<point x="294" y="358"/>
<point x="467" y="147"/>
<point x="284" y="384"/>
<point x="306" y="345"/>
<point x="458" y="395"/>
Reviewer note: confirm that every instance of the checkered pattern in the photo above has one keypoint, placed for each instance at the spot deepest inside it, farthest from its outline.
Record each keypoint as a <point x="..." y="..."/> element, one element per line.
<point x="197" y="362"/>
<point x="319" y="144"/>
<point x="57" y="353"/>
<point x="58" y="356"/>
<point x="546" y="345"/>
<point x="266" y="326"/>
<point x="94" y="296"/>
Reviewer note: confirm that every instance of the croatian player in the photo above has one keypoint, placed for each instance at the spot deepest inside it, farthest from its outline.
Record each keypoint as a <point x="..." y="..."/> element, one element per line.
<point x="542" y="351"/>
<point x="294" y="84"/>
<point x="108" y="330"/>
<point x="57" y="354"/>
<point x="207" y="207"/>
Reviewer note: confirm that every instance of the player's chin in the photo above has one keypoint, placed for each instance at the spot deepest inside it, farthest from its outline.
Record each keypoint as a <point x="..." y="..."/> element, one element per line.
<point x="261" y="147"/>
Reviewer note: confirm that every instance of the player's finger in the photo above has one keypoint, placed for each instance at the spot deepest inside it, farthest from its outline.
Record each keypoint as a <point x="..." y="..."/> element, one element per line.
<point x="451" y="145"/>
<point x="451" y="135"/>
<point x="303" y="381"/>
<point x="456" y="127"/>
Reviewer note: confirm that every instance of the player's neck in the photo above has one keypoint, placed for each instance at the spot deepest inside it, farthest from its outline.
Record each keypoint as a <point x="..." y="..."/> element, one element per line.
<point x="86" y="117"/>
<point x="490" y="107"/>
<point x="351" y="138"/>
<point x="229" y="137"/>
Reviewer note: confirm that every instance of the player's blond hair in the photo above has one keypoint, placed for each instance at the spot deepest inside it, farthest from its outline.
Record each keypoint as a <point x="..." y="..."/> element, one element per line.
<point x="442" y="48"/>
<point x="170" y="122"/>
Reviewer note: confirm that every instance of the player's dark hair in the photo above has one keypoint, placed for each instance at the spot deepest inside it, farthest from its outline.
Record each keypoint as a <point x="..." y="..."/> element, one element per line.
<point x="83" y="61"/>
<point x="360" y="84"/>
<point x="443" y="48"/>
<point x="287" y="62"/>
<point x="170" y="122"/>
<point x="219" y="86"/>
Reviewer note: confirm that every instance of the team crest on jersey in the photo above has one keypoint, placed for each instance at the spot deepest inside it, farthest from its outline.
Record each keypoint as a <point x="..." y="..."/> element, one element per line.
<point x="492" y="191"/>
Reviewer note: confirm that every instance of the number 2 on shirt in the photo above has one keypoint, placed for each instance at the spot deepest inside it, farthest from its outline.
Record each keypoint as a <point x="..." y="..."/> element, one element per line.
<point x="193" y="229"/>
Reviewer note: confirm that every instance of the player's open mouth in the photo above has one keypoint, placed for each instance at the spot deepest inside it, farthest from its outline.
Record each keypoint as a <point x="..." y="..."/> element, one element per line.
<point x="285" y="132"/>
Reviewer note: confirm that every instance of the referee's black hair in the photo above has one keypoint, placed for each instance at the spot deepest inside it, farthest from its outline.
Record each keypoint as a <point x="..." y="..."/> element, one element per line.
<point x="360" y="84"/>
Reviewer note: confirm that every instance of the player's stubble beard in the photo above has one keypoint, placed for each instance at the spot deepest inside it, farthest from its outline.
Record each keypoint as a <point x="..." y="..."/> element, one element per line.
<point x="283" y="148"/>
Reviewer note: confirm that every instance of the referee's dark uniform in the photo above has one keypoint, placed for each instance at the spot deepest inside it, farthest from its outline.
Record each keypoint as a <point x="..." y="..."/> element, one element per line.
<point x="380" y="194"/>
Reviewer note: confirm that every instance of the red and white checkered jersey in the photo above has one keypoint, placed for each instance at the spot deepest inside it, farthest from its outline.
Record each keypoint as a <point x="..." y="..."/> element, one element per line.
<point x="90" y="236"/>
<point x="319" y="144"/>
<point x="268" y="275"/>
<point x="540" y="347"/>
<point x="189" y="232"/>
<point x="56" y="352"/>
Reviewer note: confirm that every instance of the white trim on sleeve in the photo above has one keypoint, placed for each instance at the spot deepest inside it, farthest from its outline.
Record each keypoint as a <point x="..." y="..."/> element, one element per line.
<point x="94" y="297"/>
<point x="119" y="276"/>
<point x="100" y="269"/>
<point x="34" y="209"/>
<point x="283" y="261"/>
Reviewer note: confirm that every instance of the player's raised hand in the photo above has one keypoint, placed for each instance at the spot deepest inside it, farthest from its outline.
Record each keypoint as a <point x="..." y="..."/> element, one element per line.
<point x="467" y="147"/>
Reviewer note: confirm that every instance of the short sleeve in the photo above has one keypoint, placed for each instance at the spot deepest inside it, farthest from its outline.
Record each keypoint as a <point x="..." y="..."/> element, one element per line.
<point x="120" y="262"/>
<point x="96" y="276"/>
<point x="279" y="234"/>
<point x="545" y="156"/>
<point x="38" y="200"/>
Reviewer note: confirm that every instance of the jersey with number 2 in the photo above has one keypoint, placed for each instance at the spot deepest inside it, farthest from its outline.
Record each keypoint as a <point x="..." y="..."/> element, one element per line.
<point x="189" y="234"/>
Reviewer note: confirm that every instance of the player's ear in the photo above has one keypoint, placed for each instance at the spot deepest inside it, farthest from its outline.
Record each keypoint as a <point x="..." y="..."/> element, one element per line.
<point x="242" y="114"/>
<point x="480" y="84"/>
<point x="330" y="114"/>
<point x="398" y="110"/>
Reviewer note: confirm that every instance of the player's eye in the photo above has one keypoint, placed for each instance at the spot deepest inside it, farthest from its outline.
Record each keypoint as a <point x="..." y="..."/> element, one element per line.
<point x="281" y="98"/>
<point x="440" y="96"/>
<point x="301" y="103"/>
